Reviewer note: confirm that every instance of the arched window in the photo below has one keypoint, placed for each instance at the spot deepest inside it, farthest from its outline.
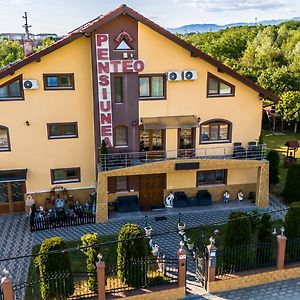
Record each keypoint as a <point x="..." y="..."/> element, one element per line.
<point x="215" y="131"/>
<point x="121" y="136"/>
<point x="4" y="139"/>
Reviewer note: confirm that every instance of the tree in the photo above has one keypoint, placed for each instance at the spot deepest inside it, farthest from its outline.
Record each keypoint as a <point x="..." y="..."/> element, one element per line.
<point x="54" y="264"/>
<point x="89" y="243"/>
<point x="48" y="41"/>
<point x="131" y="252"/>
<point x="289" y="107"/>
<point x="274" y="159"/>
<point x="10" y="51"/>
<point x="292" y="221"/>
<point x="291" y="189"/>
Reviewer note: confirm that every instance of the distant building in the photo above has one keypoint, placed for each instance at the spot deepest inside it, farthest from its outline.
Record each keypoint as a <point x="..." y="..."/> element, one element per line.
<point x="36" y="38"/>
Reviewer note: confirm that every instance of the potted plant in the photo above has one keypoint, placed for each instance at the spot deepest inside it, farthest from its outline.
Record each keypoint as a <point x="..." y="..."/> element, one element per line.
<point x="148" y="230"/>
<point x="190" y="244"/>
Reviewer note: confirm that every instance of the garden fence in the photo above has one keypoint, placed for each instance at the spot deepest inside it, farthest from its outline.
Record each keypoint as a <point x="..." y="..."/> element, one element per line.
<point x="292" y="251"/>
<point x="44" y="223"/>
<point x="140" y="273"/>
<point x="246" y="257"/>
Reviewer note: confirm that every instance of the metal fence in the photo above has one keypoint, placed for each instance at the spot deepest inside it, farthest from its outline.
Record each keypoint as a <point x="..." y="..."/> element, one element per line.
<point x="292" y="251"/>
<point x="140" y="273"/>
<point x="1" y="295"/>
<point x="123" y="160"/>
<point x="47" y="222"/>
<point x="246" y="257"/>
<point x="59" y="285"/>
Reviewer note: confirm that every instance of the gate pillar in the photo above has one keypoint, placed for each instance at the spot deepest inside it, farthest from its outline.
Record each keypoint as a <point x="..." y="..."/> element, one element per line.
<point x="212" y="260"/>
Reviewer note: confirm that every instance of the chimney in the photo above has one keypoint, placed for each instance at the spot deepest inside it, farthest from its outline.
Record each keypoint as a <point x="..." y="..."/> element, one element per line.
<point x="28" y="47"/>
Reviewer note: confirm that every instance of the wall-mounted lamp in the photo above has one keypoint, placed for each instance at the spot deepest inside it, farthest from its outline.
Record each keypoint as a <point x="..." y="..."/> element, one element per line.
<point x="133" y="123"/>
<point x="199" y="120"/>
<point x="27" y="123"/>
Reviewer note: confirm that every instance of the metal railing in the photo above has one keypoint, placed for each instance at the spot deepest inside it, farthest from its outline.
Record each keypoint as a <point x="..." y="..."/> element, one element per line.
<point x="246" y="257"/>
<point x="59" y="285"/>
<point x="123" y="160"/>
<point x="140" y="273"/>
<point x="292" y="252"/>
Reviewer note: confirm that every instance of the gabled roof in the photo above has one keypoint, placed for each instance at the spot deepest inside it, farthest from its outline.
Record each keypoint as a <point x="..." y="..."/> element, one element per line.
<point x="93" y="25"/>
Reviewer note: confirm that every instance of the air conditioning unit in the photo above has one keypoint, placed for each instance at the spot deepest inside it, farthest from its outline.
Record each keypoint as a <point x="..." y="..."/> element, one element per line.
<point x="174" y="75"/>
<point x="30" y="84"/>
<point x="190" y="75"/>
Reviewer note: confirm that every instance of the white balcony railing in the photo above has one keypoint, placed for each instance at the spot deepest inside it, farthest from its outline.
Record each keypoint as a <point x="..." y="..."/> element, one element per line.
<point x="127" y="159"/>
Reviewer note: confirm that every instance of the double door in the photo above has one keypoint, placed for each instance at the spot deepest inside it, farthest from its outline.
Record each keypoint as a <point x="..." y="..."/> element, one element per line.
<point x="12" y="196"/>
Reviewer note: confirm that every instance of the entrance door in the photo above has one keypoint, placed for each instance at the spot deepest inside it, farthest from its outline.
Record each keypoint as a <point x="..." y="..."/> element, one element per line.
<point x="152" y="190"/>
<point x="186" y="142"/>
<point x="12" y="196"/>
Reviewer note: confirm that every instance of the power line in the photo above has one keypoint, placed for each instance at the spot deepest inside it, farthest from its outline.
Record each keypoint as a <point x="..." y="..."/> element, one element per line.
<point x="78" y="248"/>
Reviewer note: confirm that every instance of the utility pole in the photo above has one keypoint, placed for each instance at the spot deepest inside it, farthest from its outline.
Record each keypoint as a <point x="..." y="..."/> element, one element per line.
<point x="26" y="26"/>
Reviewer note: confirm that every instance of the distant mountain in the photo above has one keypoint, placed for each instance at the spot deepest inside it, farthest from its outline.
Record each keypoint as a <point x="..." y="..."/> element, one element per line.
<point x="200" y="28"/>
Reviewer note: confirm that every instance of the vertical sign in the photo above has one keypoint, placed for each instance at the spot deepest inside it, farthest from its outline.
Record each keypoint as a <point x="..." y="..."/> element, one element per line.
<point x="104" y="88"/>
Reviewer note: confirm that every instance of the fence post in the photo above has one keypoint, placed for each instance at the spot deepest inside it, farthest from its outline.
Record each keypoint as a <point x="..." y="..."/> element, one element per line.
<point x="281" y="244"/>
<point x="101" y="280"/>
<point x="212" y="260"/>
<point x="7" y="289"/>
<point x="181" y="255"/>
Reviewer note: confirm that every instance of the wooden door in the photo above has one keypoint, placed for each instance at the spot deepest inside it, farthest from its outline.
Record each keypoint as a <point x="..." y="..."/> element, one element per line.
<point x="12" y="196"/>
<point x="152" y="190"/>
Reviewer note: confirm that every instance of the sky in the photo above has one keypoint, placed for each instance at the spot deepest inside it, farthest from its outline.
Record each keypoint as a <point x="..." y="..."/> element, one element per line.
<point x="62" y="16"/>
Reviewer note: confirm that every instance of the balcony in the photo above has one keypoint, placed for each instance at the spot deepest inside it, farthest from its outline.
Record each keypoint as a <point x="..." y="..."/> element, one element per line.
<point x="115" y="161"/>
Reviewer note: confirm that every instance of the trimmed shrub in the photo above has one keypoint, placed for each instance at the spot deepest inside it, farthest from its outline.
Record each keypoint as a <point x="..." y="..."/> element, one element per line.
<point x="89" y="241"/>
<point x="238" y="236"/>
<point x="132" y="250"/>
<point x="103" y="148"/>
<point x="238" y="229"/>
<point x="274" y="159"/>
<point x="291" y="189"/>
<point x="292" y="221"/>
<point x="254" y="220"/>
<point x="54" y="264"/>
<point x="265" y="252"/>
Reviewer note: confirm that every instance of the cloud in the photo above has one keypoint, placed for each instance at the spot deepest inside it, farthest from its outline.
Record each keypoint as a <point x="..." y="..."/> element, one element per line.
<point x="19" y="1"/>
<point x="229" y="5"/>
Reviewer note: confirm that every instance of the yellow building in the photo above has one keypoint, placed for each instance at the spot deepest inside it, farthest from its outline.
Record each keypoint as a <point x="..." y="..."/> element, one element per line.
<point x="173" y="119"/>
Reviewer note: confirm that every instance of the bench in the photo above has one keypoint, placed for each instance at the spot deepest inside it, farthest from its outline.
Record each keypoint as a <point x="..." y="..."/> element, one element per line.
<point x="128" y="203"/>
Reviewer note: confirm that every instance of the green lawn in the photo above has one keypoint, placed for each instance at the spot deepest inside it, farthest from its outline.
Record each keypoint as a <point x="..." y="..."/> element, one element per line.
<point x="277" y="142"/>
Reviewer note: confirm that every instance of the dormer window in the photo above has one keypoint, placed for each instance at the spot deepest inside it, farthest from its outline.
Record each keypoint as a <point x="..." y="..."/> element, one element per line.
<point x="217" y="87"/>
<point x="12" y="90"/>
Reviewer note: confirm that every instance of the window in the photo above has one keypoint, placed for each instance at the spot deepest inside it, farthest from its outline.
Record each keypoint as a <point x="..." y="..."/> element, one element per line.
<point x="59" y="81"/>
<point x="62" y="130"/>
<point x="151" y="140"/>
<point x="121" y="182"/>
<point x="121" y="138"/>
<point x="4" y="139"/>
<point x="185" y="138"/>
<point x="211" y="177"/>
<point x="217" y="87"/>
<point x="152" y="86"/>
<point x="118" y="89"/>
<point x="12" y="90"/>
<point x="215" y="132"/>
<point x="65" y="175"/>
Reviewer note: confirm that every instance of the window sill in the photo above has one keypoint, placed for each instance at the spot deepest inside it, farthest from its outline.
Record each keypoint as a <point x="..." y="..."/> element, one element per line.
<point x="151" y="98"/>
<point x="66" y="181"/>
<point x="5" y="150"/>
<point x="11" y="99"/>
<point x="215" y="142"/>
<point x="125" y="146"/>
<point x="213" y="184"/>
<point x="59" y="89"/>
<point x="220" y="95"/>
<point x="62" y="137"/>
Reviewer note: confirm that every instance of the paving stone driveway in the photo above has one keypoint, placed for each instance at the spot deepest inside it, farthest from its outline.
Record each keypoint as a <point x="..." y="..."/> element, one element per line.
<point x="16" y="239"/>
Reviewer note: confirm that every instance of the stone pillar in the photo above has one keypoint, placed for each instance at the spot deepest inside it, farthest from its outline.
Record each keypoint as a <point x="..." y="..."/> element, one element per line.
<point x="281" y="243"/>
<point x="181" y="255"/>
<point x="262" y="185"/>
<point x="102" y="207"/>
<point x="101" y="280"/>
<point x="212" y="260"/>
<point x="7" y="289"/>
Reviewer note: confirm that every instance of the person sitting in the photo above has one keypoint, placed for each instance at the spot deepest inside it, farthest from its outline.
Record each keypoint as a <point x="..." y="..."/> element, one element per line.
<point x="226" y="197"/>
<point x="240" y="195"/>
<point x="169" y="200"/>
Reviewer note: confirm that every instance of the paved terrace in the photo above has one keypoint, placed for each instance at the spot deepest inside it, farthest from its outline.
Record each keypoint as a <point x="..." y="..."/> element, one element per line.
<point x="17" y="240"/>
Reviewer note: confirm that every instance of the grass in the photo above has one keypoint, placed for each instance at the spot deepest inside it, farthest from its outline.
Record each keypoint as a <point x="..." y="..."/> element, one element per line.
<point x="276" y="142"/>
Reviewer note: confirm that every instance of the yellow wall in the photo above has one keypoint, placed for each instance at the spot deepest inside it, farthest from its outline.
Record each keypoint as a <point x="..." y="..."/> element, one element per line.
<point x="242" y="176"/>
<point x="30" y="147"/>
<point x="189" y="97"/>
